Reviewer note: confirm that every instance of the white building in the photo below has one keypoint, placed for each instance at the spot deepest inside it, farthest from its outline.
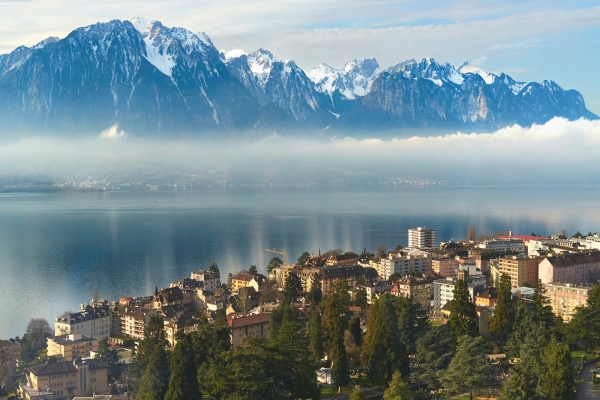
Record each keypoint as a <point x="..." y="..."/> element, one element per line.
<point x="212" y="280"/>
<point x="91" y="321"/>
<point x="505" y="245"/>
<point x="421" y="238"/>
<point x="402" y="262"/>
<point x="443" y="289"/>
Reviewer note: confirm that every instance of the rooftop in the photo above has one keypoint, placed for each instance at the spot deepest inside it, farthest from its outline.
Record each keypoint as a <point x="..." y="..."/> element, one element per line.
<point x="240" y="322"/>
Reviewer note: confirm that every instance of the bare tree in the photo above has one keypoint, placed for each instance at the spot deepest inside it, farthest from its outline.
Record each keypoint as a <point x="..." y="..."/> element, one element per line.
<point x="381" y="251"/>
<point x="331" y="253"/>
<point x="38" y="330"/>
<point x="267" y="292"/>
<point x="471" y="234"/>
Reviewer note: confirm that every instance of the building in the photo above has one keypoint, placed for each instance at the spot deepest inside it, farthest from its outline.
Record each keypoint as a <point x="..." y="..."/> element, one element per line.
<point x="343" y="259"/>
<point x="572" y="268"/>
<point x="375" y="289"/>
<point x="487" y="298"/>
<point x="443" y="289"/>
<point x="516" y="246"/>
<point x="168" y="297"/>
<point x="181" y="324"/>
<point x="565" y="297"/>
<point x="10" y="352"/>
<point x="72" y="346"/>
<point x="421" y="238"/>
<point x="402" y="262"/>
<point x="240" y="280"/>
<point x="243" y="327"/>
<point x="483" y="319"/>
<point x="521" y="270"/>
<point x="280" y="274"/>
<point x="351" y="274"/>
<point x="125" y="355"/>
<point x="482" y="257"/>
<point x="130" y="321"/>
<point x="445" y="266"/>
<point x="91" y="321"/>
<point x="210" y="280"/>
<point x="65" y="379"/>
<point x="187" y="283"/>
<point x="420" y="289"/>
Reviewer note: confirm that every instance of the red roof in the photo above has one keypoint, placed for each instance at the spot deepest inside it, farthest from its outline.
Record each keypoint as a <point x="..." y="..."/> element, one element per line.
<point x="239" y="322"/>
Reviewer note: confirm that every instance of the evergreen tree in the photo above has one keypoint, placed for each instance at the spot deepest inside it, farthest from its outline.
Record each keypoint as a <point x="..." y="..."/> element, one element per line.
<point x="315" y="333"/>
<point x="183" y="384"/>
<point x="541" y="306"/>
<point x="468" y="371"/>
<point x="292" y="290"/>
<point x="154" y="340"/>
<point x="315" y="295"/>
<point x="463" y="316"/>
<point x="253" y="270"/>
<point x="274" y="262"/>
<point x="385" y="353"/>
<point x="336" y="306"/>
<point x="398" y="389"/>
<point x="435" y="350"/>
<point x="339" y="360"/>
<point x="412" y="320"/>
<point x="214" y="268"/>
<point x="360" y="299"/>
<point x="275" y="320"/>
<point x="108" y="356"/>
<point x="556" y="381"/>
<point x="501" y="322"/>
<point x="155" y="379"/>
<point x="303" y="258"/>
<point x="355" y="330"/>
<point x="358" y="395"/>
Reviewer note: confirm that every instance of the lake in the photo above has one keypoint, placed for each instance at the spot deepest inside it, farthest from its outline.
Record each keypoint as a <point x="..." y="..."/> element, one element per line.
<point x="57" y="248"/>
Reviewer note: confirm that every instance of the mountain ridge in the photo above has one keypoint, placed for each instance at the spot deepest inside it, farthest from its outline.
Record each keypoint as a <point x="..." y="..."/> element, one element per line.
<point x="154" y="80"/>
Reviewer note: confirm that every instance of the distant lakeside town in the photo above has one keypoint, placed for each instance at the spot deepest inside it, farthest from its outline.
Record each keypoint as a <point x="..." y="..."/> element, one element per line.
<point x="480" y="298"/>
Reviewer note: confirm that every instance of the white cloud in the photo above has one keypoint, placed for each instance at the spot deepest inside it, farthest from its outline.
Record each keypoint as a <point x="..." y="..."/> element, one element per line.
<point x="112" y="132"/>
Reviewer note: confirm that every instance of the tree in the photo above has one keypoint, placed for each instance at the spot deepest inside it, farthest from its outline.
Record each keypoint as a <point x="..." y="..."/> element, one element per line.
<point x="358" y="395"/>
<point x="267" y="292"/>
<point x="253" y="270"/>
<point x="463" y="316"/>
<point x="412" y="321"/>
<point x="183" y="384"/>
<point x="355" y="330"/>
<point x="331" y="253"/>
<point x="339" y="360"/>
<point x="384" y="352"/>
<point x="38" y="330"/>
<point x="229" y="279"/>
<point x="395" y="277"/>
<point x="151" y="347"/>
<point x="556" y="381"/>
<point x="316" y="294"/>
<point x="214" y="268"/>
<point x="399" y="247"/>
<point x="381" y="251"/>
<point x="303" y="258"/>
<point x="468" y="371"/>
<point x="398" y="389"/>
<point x="360" y="299"/>
<point x="435" y="350"/>
<point x="471" y="234"/>
<point x="502" y="321"/>
<point x="293" y="289"/>
<point x="274" y="262"/>
<point x="365" y="254"/>
<point x="352" y="351"/>
<point x="336" y="308"/>
<point x="315" y="333"/>
<point x="110" y="357"/>
<point x="541" y="305"/>
<point x="154" y="382"/>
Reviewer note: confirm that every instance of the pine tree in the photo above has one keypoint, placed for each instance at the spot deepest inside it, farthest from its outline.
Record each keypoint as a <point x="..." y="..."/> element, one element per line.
<point x="435" y="350"/>
<point x="274" y="262"/>
<point x="412" y="320"/>
<point x="316" y="294"/>
<point x="108" y="356"/>
<point x="355" y="330"/>
<point x="339" y="360"/>
<point x="501" y="322"/>
<point x="358" y="395"/>
<point x="315" y="333"/>
<point x="303" y="258"/>
<point x="468" y="371"/>
<point x="154" y="382"/>
<point x="292" y="290"/>
<point x="398" y="389"/>
<point x="556" y="381"/>
<point x="183" y="384"/>
<point x="463" y="316"/>
<point x="541" y="306"/>
<point x="385" y="352"/>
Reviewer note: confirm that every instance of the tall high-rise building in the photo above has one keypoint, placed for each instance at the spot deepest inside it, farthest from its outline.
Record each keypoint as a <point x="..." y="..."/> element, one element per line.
<point x="421" y="238"/>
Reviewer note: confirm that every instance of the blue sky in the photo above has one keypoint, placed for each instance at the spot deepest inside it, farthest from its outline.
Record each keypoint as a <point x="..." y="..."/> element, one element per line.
<point x="529" y="40"/>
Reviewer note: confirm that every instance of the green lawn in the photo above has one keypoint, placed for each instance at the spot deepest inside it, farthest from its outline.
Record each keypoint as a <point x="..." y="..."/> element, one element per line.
<point x="363" y="381"/>
<point x="576" y="356"/>
<point x="331" y="392"/>
<point x="436" y="322"/>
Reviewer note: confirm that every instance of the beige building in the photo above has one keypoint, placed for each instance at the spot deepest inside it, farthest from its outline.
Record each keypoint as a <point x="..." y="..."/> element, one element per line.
<point x="445" y="267"/>
<point x="522" y="270"/>
<point x="168" y="297"/>
<point x="240" y="280"/>
<point x="573" y="268"/>
<point x="342" y="259"/>
<point x="185" y="325"/>
<point x="91" y="321"/>
<point x="71" y="346"/>
<point x="247" y="326"/>
<point x="63" y="379"/>
<point x="132" y="321"/>
<point x="10" y="352"/>
<point x="565" y="297"/>
<point x="420" y="289"/>
<point x="211" y="280"/>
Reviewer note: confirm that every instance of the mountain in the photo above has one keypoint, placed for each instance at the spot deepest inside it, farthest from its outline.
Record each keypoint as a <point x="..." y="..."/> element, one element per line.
<point x="154" y="80"/>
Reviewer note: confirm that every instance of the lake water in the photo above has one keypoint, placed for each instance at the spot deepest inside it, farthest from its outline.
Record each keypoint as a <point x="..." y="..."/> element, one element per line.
<point x="56" y="249"/>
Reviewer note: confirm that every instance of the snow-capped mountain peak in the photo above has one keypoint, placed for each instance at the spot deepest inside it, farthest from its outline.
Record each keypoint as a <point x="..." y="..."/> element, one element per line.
<point x="430" y="69"/>
<point x="141" y="24"/>
<point x="261" y="62"/>
<point x="354" y="80"/>
<point x="488" y="77"/>
<point x="235" y="53"/>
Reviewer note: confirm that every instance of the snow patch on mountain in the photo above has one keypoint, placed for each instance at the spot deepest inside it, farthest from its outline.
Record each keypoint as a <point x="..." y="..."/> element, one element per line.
<point x="354" y="80"/>
<point x="235" y="53"/>
<point x="158" y="57"/>
<point x="488" y="77"/>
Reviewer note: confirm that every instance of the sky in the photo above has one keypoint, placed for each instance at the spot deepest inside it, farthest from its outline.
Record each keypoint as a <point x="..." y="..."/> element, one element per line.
<point x="531" y="40"/>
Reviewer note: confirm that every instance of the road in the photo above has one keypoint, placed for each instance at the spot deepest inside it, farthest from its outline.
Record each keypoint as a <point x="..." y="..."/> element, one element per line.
<point x="587" y="390"/>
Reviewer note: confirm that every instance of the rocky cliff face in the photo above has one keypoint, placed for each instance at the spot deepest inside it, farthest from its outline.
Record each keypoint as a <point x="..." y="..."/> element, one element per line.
<point x="154" y="80"/>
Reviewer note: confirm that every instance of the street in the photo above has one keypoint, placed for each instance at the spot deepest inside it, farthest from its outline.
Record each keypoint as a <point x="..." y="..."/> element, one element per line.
<point x="587" y="389"/>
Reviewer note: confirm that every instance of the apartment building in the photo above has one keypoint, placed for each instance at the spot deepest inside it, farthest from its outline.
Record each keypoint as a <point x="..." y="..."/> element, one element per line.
<point x="420" y="289"/>
<point x="572" y="268"/>
<point x="342" y="259"/>
<point x="91" y="321"/>
<point x="130" y="321"/>
<point x="168" y="297"/>
<point x="62" y="380"/>
<point x="443" y="289"/>
<point x="243" y="327"/>
<point x="240" y="280"/>
<point x="522" y="270"/>
<point x="71" y="346"/>
<point x="566" y="297"/>
<point x="505" y="245"/>
<point x="421" y="238"/>
<point x="403" y="262"/>
<point x="445" y="266"/>
<point x="210" y="280"/>
<point x="10" y="352"/>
